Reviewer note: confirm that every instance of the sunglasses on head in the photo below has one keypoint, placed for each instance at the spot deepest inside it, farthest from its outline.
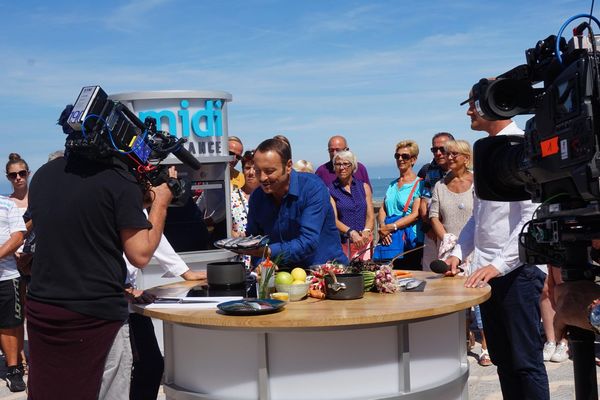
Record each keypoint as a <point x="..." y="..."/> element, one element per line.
<point x="441" y="149"/>
<point x="13" y="175"/>
<point x="404" y="156"/>
<point x="237" y="156"/>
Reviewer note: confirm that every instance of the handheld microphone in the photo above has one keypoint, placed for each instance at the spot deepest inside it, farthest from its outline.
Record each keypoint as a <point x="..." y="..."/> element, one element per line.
<point x="440" y="267"/>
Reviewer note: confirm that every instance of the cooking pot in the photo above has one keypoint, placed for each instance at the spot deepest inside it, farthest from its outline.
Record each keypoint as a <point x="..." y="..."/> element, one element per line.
<point x="348" y="287"/>
<point x="225" y="273"/>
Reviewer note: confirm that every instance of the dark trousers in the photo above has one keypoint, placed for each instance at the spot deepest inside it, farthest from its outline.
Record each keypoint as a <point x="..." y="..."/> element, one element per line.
<point x="511" y="320"/>
<point x="148" y="363"/>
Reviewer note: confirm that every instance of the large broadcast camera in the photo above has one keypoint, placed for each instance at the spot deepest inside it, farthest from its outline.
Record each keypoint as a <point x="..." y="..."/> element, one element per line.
<point x="557" y="161"/>
<point x="107" y="131"/>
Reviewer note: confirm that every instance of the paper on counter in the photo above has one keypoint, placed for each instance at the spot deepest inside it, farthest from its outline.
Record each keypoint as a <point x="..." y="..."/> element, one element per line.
<point x="191" y="302"/>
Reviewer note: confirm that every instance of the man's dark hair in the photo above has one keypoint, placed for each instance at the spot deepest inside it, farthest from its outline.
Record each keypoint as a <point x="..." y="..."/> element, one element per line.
<point x="278" y="146"/>
<point x="447" y="134"/>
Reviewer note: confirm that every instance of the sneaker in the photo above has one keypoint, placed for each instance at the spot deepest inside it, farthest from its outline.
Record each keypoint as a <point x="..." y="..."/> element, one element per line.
<point x="561" y="353"/>
<point x="549" y="349"/>
<point x="14" y="379"/>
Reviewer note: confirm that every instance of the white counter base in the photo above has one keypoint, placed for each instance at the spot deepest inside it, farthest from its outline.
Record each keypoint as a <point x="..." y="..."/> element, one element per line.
<point x="424" y="359"/>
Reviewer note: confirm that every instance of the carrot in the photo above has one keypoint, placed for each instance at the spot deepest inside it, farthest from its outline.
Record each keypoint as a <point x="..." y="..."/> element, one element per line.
<point x="316" y="293"/>
<point x="402" y="274"/>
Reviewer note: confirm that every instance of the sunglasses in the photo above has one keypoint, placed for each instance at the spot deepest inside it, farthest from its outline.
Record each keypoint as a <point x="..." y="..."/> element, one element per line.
<point x="453" y="154"/>
<point x="237" y="156"/>
<point x="404" y="156"/>
<point x="13" y="175"/>
<point x="441" y="149"/>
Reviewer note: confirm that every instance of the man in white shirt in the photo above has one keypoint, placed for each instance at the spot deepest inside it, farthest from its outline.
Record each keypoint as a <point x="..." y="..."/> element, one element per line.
<point x="148" y="362"/>
<point x="511" y="317"/>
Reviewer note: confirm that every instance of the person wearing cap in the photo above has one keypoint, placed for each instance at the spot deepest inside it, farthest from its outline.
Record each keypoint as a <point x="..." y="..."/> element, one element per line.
<point x="511" y="316"/>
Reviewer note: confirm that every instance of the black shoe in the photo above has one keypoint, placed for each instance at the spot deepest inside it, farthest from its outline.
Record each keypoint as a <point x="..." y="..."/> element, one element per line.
<point x="14" y="379"/>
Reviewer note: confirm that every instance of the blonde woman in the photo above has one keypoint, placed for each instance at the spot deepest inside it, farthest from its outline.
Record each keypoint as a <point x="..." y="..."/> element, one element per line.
<point x="452" y="197"/>
<point x="399" y="217"/>
<point x="303" y="166"/>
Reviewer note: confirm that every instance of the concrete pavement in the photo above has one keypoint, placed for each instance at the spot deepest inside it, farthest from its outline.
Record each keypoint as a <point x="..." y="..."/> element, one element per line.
<point x="483" y="381"/>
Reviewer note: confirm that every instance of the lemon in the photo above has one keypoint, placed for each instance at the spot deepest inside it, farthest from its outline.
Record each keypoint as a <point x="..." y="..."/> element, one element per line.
<point x="283" y="296"/>
<point x="297" y="282"/>
<point x="299" y="274"/>
<point x="283" y="278"/>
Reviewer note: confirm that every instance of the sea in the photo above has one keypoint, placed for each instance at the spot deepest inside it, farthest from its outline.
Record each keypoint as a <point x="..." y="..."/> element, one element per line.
<point x="380" y="186"/>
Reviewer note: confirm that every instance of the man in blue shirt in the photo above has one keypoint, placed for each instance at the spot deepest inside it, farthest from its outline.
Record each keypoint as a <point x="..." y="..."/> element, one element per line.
<point x="293" y="209"/>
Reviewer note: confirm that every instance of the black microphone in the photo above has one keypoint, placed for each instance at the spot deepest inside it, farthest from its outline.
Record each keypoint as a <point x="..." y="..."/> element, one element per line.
<point x="440" y="267"/>
<point x="187" y="158"/>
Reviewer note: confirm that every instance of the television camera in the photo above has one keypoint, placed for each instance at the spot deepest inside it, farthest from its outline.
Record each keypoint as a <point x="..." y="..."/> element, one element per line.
<point x="104" y="130"/>
<point x="557" y="161"/>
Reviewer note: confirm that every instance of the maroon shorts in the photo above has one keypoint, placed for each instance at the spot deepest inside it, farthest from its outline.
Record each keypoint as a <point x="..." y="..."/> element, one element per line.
<point x="67" y="352"/>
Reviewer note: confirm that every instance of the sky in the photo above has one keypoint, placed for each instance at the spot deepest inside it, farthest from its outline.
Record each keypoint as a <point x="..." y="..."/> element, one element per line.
<point x="376" y="72"/>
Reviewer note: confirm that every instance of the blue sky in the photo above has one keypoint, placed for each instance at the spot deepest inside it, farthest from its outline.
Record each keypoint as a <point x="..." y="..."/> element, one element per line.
<point x="374" y="71"/>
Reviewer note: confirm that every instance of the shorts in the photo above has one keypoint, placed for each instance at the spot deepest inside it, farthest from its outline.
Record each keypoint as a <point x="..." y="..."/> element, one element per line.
<point x="11" y="309"/>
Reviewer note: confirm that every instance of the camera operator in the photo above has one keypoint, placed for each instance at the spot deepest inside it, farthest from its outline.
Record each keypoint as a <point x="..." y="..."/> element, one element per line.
<point x="511" y="316"/>
<point x="86" y="214"/>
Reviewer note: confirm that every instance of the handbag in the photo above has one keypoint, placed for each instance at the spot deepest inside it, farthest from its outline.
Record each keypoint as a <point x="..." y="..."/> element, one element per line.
<point x="403" y="239"/>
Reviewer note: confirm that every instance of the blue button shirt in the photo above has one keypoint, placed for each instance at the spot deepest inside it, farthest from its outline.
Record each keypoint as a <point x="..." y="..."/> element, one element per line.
<point x="302" y="228"/>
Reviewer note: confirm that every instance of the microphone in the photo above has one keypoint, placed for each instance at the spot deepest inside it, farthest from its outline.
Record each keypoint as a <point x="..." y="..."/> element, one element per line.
<point x="440" y="267"/>
<point x="187" y="158"/>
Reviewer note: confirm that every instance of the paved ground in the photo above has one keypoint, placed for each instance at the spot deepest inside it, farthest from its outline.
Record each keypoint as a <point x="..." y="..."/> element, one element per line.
<point x="483" y="381"/>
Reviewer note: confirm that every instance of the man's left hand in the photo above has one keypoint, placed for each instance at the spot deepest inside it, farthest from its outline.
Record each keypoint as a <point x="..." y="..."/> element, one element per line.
<point x="482" y="276"/>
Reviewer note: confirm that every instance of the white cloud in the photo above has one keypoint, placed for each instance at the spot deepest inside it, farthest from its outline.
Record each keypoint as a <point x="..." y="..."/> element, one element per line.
<point x="131" y="15"/>
<point x="355" y="19"/>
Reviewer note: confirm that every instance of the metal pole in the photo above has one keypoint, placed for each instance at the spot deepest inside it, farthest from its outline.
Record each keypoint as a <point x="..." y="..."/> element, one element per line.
<point x="581" y="345"/>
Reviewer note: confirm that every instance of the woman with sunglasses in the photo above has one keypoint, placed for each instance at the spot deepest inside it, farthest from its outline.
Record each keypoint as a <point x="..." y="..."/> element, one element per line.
<point x="399" y="217"/>
<point x="17" y="172"/>
<point x="352" y="203"/>
<point x="452" y="197"/>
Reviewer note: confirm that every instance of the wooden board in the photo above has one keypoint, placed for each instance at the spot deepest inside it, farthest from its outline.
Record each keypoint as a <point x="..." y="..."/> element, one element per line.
<point x="441" y="296"/>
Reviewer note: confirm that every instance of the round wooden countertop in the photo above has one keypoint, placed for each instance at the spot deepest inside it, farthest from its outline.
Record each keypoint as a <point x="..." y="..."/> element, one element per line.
<point x="442" y="295"/>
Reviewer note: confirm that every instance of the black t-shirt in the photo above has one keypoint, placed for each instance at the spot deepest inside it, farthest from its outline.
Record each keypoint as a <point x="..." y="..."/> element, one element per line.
<point x="78" y="208"/>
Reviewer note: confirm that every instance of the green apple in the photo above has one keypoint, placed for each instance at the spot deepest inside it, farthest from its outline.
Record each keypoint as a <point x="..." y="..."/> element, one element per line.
<point x="283" y="278"/>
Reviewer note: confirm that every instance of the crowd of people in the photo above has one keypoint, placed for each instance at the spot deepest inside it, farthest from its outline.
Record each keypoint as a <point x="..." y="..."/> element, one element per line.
<point x="311" y="217"/>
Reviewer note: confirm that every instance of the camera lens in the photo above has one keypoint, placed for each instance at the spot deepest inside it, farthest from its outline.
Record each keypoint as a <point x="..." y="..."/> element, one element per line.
<point x="510" y="97"/>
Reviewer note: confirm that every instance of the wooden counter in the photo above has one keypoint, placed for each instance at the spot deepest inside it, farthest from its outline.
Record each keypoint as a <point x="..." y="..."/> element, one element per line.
<point x="407" y="345"/>
<point x="442" y="295"/>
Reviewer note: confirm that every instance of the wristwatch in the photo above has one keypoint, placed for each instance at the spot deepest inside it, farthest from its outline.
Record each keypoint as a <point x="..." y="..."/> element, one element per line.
<point x="348" y="231"/>
<point x="594" y="315"/>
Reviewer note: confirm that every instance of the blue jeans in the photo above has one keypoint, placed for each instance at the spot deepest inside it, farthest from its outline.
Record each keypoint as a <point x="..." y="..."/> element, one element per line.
<point x="511" y="319"/>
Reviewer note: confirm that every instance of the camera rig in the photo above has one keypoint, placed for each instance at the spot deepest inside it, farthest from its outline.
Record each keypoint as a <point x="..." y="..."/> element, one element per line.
<point x="103" y="130"/>
<point x="557" y="161"/>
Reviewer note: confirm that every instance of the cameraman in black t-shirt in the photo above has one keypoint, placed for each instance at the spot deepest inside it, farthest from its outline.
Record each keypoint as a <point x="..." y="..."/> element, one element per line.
<point x="86" y="215"/>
